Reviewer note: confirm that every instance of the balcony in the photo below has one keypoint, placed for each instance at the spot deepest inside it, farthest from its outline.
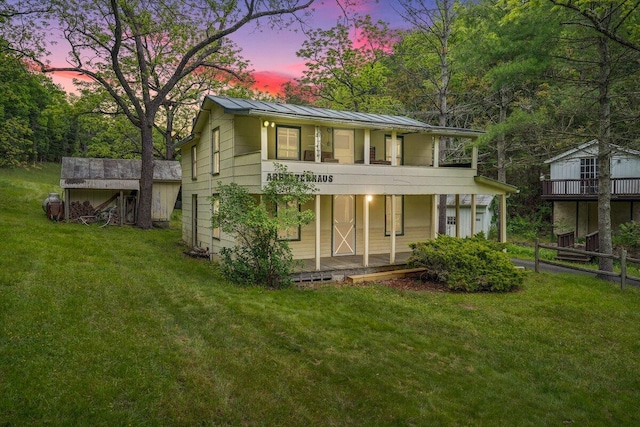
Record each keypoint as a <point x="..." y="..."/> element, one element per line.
<point x="587" y="189"/>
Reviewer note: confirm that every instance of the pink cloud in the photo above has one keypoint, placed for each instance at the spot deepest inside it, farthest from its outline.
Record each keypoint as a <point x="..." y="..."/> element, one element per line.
<point x="270" y="81"/>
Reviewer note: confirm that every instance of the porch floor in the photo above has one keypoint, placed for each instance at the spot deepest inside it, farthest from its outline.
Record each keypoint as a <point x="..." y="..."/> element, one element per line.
<point x="339" y="267"/>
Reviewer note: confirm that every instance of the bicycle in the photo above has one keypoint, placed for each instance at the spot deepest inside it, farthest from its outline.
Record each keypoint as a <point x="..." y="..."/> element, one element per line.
<point x="102" y="219"/>
<point x="106" y="217"/>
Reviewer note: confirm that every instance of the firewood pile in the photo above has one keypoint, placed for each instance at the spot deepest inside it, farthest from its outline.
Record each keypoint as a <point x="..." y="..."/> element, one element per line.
<point x="86" y="213"/>
<point x="78" y="209"/>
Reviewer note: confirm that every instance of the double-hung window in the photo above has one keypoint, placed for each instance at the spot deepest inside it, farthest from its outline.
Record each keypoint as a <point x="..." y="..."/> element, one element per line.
<point x="215" y="151"/>
<point x="399" y="217"/>
<point x="194" y="162"/>
<point x="287" y="143"/>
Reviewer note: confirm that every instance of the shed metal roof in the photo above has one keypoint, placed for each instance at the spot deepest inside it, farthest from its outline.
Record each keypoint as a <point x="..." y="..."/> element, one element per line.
<point x="83" y="168"/>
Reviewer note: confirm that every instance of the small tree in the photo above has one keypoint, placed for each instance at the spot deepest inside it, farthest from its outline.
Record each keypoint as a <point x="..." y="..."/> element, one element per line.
<point x="260" y="255"/>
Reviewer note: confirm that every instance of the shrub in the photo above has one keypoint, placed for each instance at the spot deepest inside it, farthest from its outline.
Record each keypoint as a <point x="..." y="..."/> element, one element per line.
<point x="628" y="235"/>
<point x="259" y="256"/>
<point x="470" y="265"/>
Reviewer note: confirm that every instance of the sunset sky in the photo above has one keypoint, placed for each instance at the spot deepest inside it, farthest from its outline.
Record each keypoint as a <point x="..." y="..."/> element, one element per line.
<point x="273" y="53"/>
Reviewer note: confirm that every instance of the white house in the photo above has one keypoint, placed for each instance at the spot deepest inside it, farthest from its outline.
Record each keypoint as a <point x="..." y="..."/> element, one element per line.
<point x="573" y="188"/>
<point x="377" y="176"/>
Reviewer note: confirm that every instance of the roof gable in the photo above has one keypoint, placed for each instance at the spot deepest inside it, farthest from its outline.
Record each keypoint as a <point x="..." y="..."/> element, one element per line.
<point x="590" y="149"/>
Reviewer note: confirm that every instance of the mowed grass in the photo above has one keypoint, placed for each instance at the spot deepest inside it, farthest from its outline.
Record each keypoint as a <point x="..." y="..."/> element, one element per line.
<point x="114" y="326"/>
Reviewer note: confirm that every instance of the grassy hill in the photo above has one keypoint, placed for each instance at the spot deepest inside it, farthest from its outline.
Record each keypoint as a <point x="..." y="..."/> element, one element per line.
<point x="114" y="326"/>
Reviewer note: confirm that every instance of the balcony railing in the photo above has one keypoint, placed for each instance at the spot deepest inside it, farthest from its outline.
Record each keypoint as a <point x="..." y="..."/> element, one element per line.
<point x="588" y="188"/>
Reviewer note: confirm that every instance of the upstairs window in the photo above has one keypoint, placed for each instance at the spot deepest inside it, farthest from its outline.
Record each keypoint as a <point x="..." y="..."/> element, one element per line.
<point x="589" y="175"/>
<point x="287" y="143"/>
<point x="215" y="151"/>
<point x="589" y="168"/>
<point x="194" y="162"/>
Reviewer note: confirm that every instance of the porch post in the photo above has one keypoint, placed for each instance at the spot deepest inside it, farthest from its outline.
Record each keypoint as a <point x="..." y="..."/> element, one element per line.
<point x="67" y="204"/>
<point x="473" y="215"/>
<point x="121" y="207"/>
<point x="474" y="156"/>
<point x="436" y="151"/>
<point x="365" y="210"/>
<point x="392" y="251"/>
<point x="503" y="217"/>
<point x="367" y="146"/>
<point x="434" y="216"/>
<point x="317" y="208"/>
<point x="458" y="215"/>
<point x="264" y="146"/>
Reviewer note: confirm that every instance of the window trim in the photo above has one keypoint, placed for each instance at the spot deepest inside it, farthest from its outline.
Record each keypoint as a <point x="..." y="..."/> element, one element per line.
<point x="215" y="154"/>
<point x="194" y="162"/>
<point x="299" y="129"/>
<point x="215" y="207"/>
<point x="387" y="203"/>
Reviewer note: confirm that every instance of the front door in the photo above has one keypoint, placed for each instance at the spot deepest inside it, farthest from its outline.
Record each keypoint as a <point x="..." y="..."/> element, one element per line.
<point x="344" y="225"/>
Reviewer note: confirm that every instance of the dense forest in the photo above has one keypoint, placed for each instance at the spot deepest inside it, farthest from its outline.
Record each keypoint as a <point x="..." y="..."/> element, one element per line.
<point x="538" y="76"/>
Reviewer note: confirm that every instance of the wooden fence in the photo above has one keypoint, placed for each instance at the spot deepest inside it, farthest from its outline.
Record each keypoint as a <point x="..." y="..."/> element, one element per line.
<point x="622" y="258"/>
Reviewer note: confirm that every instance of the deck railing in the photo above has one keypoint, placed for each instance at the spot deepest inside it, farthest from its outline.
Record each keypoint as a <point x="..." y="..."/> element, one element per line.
<point x="589" y="187"/>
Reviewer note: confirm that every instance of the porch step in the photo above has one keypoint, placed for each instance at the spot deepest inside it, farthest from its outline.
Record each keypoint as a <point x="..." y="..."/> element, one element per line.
<point x="572" y="257"/>
<point x="384" y="275"/>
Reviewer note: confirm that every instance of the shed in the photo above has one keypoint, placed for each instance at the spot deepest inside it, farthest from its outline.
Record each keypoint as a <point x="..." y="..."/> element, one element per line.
<point x="484" y="215"/>
<point x="94" y="183"/>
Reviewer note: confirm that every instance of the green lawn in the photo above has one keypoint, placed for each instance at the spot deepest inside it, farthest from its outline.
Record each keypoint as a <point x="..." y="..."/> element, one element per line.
<point x="114" y="326"/>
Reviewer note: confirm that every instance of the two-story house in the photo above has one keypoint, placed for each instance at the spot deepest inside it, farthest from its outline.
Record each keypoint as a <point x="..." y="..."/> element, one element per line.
<point x="377" y="176"/>
<point x="573" y="188"/>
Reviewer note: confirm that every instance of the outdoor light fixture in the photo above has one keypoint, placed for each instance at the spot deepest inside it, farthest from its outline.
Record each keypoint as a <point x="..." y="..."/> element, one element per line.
<point x="369" y="198"/>
<point x="267" y="123"/>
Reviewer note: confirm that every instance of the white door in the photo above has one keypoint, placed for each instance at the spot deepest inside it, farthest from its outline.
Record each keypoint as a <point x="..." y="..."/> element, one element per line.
<point x="344" y="222"/>
<point x="344" y="145"/>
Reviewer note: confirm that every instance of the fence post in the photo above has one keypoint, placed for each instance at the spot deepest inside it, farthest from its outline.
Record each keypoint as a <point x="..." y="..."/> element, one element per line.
<point x="537" y="263"/>
<point x="623" y="269"/>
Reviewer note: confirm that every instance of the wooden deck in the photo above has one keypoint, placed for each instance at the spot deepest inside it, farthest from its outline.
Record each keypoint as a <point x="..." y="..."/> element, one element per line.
<point x="338" y="268"/>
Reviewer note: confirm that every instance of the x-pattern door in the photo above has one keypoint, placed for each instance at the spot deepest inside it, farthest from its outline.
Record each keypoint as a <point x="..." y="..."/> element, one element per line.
<point x="344" y="219"/>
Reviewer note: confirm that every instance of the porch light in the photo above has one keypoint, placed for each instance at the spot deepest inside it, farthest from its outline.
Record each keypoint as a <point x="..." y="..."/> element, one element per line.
<point x="369" y="198"/>
<point x="267" y="123"/>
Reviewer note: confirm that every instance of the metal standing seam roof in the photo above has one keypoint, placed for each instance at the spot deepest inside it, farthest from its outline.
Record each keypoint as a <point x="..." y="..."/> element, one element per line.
<point x="75" y="168"/>
<point x="250" y="107"/>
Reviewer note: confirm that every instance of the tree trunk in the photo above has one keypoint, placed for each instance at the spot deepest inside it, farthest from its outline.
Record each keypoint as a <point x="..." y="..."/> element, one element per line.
<point x="604" y="156"/>
<point x="146" y="177"/>
<point x="501" y="146"/>
<point x="445" y="9"/>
